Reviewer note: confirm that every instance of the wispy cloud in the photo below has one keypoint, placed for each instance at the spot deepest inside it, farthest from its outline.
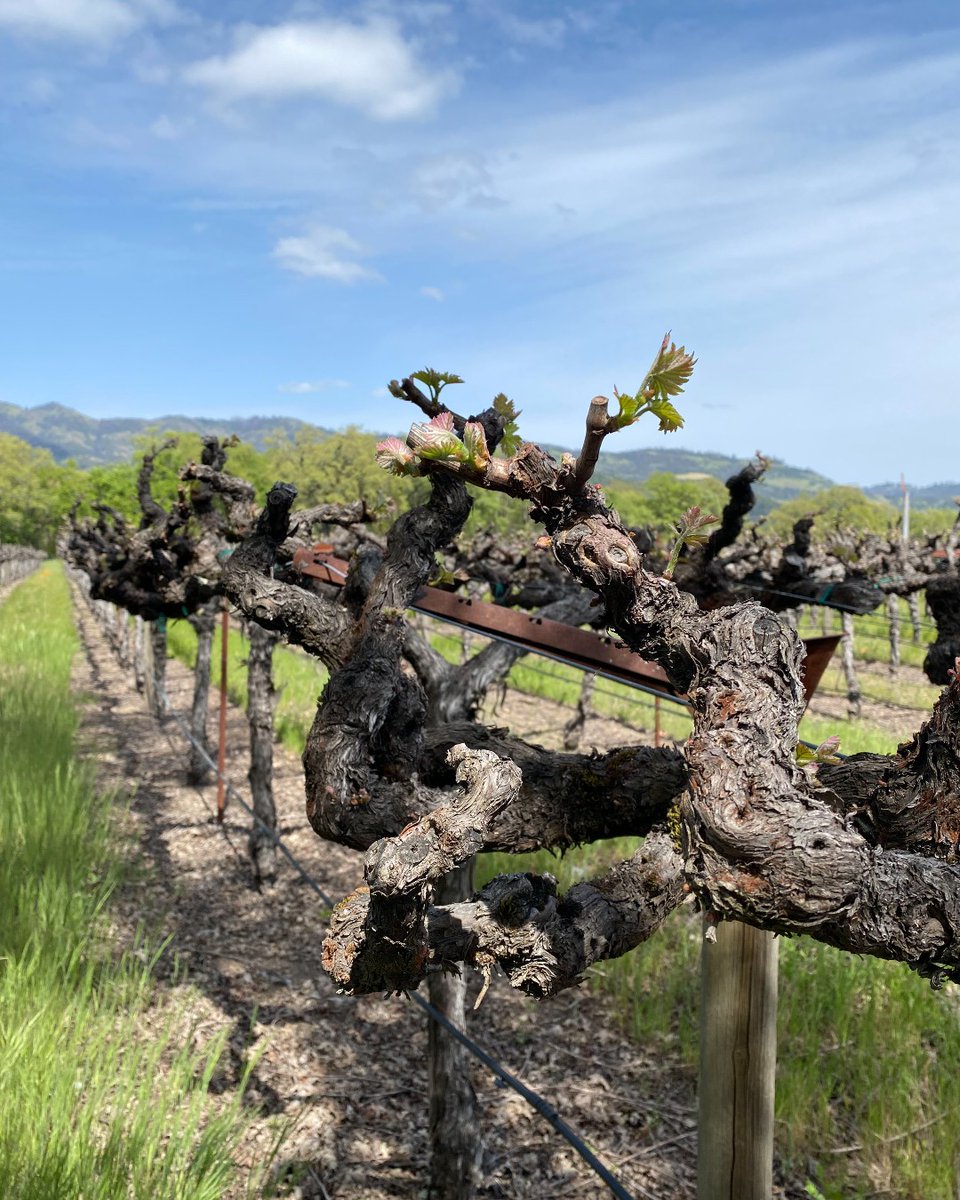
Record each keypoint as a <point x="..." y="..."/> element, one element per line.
<point x="94" y="21"/>
<point x="326" y="253"/>
<point x="309" y="387"/>
<point x="454" y="179"/>
<point x="547" y="33"/>
<point x="433" y="293"/>
<point x="368" y="66"/>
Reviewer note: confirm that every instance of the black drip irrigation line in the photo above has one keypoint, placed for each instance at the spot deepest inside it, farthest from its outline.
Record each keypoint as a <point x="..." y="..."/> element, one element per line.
<point x="534" y="1099"/>
<point x="547" y="1111"/>
<point x="543" y="1107"/>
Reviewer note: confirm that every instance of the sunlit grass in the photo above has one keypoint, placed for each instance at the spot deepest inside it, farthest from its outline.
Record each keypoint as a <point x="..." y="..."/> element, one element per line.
<point x="297" y="676"/>
<point x="868" y="1084"/>
<point x="100" y="1096"/>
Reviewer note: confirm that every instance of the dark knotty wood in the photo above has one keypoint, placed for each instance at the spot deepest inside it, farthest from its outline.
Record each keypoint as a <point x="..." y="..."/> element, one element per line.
<point x="203" y="622"/>
<point x="222" y="723"/>
<point x="261" y="704"/>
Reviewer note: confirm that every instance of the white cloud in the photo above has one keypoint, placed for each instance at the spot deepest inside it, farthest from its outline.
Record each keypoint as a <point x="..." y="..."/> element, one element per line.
<point x="454" y="179"/>
<point x="308" y="387"/>
<point x="433" y="293"/>
<point x="165" y="129"/>
<point x="81" y="20"/>
<point x="326" y="253"/>
<point x="41" y="90"/>
<point x="547" y="33"/>
<point x="369" y="67"/>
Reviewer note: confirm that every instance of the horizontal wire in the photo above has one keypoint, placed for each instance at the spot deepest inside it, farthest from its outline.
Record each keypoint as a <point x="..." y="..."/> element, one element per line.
<point x="534" y="1099"/>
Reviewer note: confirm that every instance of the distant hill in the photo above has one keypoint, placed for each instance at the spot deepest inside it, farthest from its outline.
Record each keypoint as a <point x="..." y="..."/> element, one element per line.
<point x="781" y="482"/>
<point x="935" y="495"/>
<point x="94" y="441"/>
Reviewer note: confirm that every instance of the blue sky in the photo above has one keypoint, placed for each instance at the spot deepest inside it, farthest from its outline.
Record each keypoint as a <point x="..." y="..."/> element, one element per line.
<point x="247" y="207"/>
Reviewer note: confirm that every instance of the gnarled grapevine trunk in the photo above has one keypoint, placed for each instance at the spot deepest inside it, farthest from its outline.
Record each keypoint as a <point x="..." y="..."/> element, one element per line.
<point x="155" y="667"/>
<point x="261" y="703"/>
<point x="139" y="655"/>
<point x="203" y="622"/>
<point x="893" y="618"/>
<point x="573" y="730"/>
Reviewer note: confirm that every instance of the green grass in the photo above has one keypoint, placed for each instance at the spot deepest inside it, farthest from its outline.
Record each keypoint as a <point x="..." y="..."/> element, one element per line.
<point x="868" y="1054"/>
<point x="100" y="1095"/>
<point x="871" y="633"/>
<point x="297" y="677"/>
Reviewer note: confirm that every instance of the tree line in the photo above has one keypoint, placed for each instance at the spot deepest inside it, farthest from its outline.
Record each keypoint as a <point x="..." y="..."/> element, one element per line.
<point x="38" y="492"/>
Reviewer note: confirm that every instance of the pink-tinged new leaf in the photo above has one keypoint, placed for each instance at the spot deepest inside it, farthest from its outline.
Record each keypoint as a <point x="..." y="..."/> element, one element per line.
<point x="395" y="456"/>
<point x="476" y="443"/>
<point x="827" y="750"/>
<point x="435" y="439"/>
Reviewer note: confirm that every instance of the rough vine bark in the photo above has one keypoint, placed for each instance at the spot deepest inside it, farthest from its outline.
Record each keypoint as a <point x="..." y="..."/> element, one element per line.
<point x="893" y="628"/>
<point x="761" y="840"/>
<point x="203" y="622"/>
<point x="156" y="686"/>
<point x="261" y="705"/>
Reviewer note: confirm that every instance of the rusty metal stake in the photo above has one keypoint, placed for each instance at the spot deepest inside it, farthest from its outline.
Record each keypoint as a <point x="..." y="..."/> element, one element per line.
<point x="222" y="745"/>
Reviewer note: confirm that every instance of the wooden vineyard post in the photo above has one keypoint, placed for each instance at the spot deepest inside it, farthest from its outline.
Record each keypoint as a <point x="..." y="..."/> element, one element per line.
<point x="738" y="1039"/>
<point x="738" y="1054"/>
<point x="849" y="667"/>
<point x="222" y="732"/>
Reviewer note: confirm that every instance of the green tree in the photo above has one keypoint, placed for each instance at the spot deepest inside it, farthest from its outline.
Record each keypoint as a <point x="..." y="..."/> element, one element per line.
<point x="661" y="499"/>
<point x="115" y="485"/>
<point x="35" y="493"/>
<point x="339" y="468"/>
<point x="838" y="507"/>
<point x="253" y="465"/>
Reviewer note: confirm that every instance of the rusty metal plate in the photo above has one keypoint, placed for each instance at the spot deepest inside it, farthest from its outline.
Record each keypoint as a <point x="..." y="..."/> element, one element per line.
<point x="580" y="647"/>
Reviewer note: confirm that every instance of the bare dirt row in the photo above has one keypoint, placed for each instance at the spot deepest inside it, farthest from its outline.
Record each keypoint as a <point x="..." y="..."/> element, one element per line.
<point x="348" y="1074"/>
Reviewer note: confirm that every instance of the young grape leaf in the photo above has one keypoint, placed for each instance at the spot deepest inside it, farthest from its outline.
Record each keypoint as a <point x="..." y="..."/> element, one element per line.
<point x="670" y="372"/>
<point x="476" y="443"/>
<point x="670" y="420"/>
<point x="395" y="456"/>
<point x="436" y="439"/>
<point x="436" y="381"/>
<point x="630" y="408"/>
<point x="511" y="441"/>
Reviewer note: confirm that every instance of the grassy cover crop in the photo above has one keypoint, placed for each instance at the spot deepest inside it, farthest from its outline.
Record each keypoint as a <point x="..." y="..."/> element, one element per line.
<point x="297" y="677"/>
<point x="100" y="1097"/>
<point x="868" y="1084"/>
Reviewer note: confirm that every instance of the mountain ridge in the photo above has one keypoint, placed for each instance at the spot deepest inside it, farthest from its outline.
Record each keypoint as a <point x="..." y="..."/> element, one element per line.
<point x="98" y="441"/>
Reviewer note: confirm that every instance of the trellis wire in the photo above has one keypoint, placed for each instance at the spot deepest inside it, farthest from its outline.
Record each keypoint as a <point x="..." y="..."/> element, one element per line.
<point x="815" y="601"/>
<point x="543" y="1107"/>
<point x="534" y="1099"/>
